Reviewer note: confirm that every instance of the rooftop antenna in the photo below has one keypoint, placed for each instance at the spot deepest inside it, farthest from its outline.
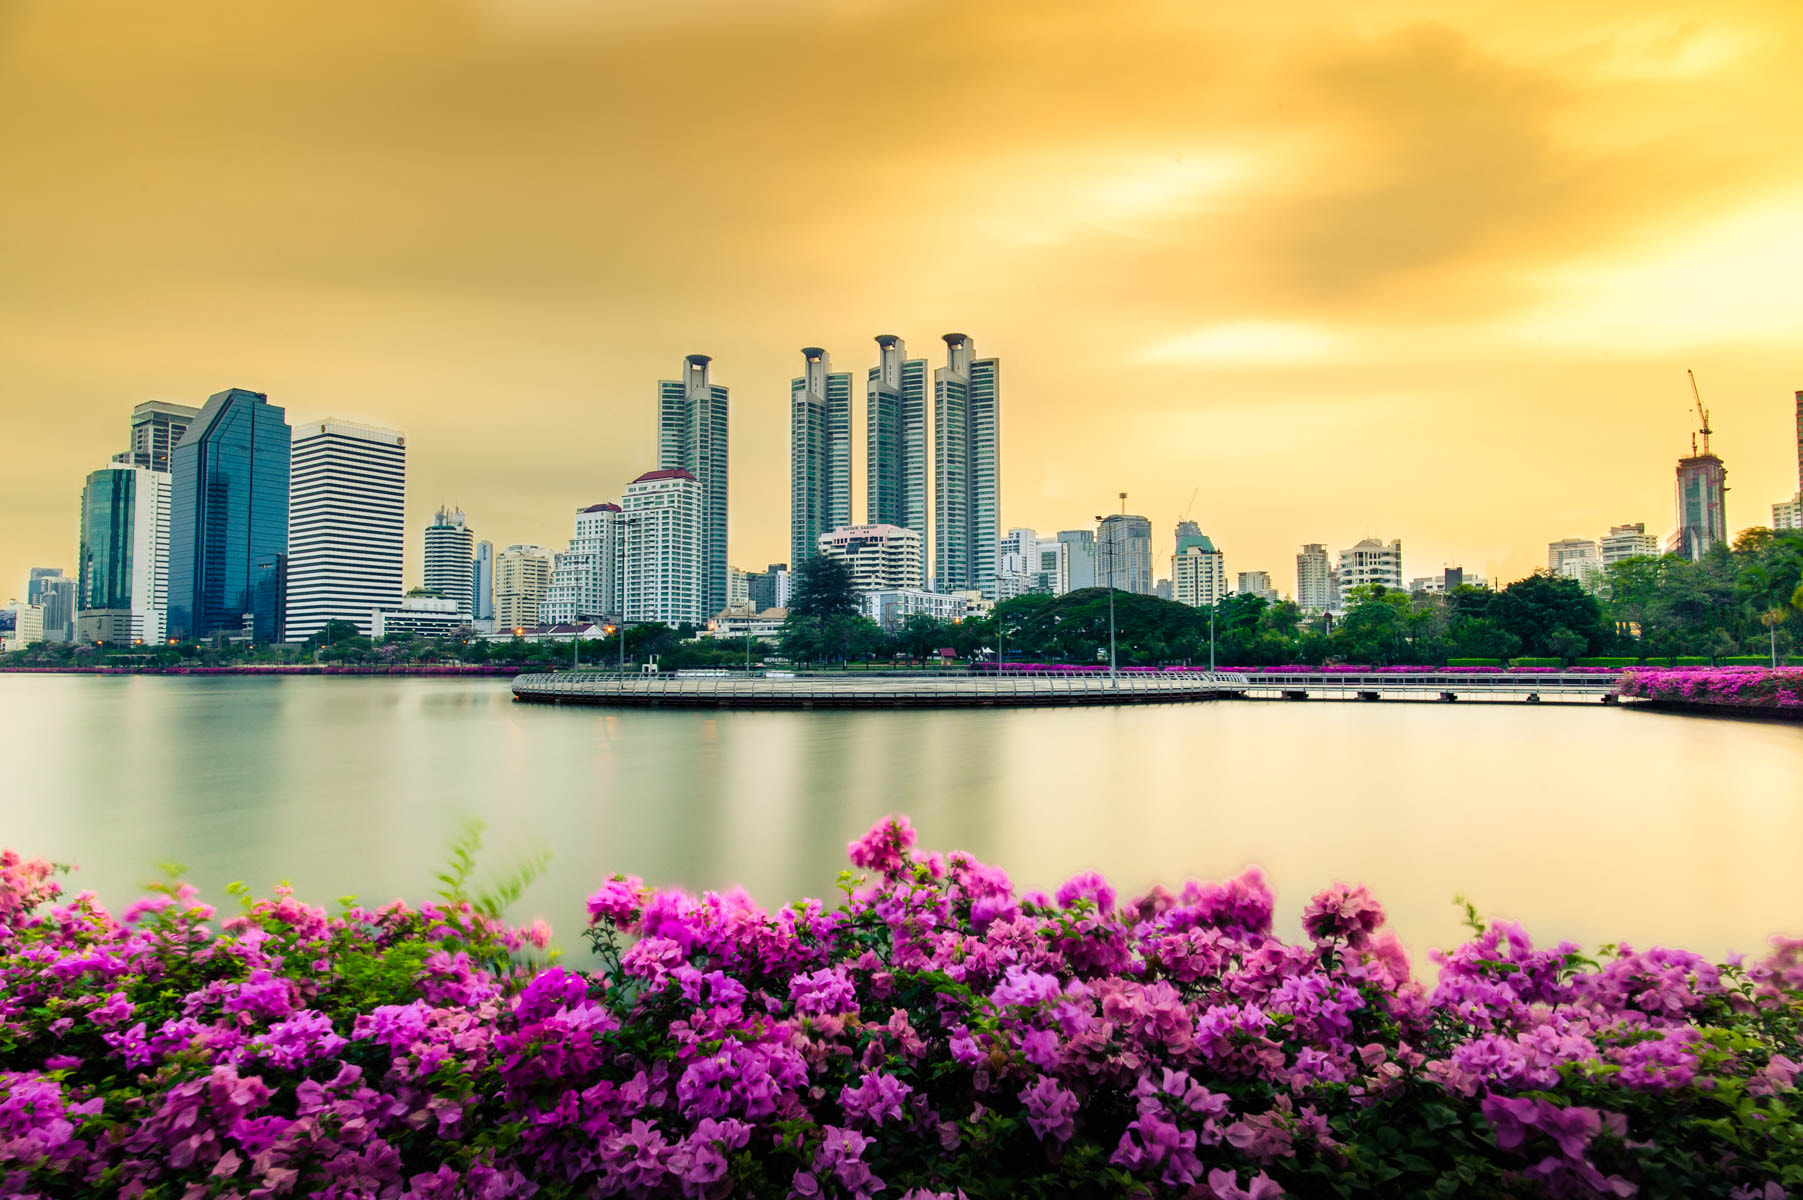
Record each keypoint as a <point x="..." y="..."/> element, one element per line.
<point x="1701" y="412"/>
<point x="1123" y="504"/>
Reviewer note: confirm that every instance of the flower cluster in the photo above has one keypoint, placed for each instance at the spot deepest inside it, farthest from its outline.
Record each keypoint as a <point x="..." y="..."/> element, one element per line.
<point x="1778" y="688"/>
<point x="934" y="1034"/>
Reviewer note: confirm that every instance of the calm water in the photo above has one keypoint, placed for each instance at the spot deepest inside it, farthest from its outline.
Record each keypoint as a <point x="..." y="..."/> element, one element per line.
<point x="1587" y="822"/>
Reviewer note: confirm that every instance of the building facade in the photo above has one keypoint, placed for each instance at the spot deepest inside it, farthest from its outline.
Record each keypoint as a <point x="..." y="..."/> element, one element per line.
<point x="895" y="438"/>
<point x="1124" y="554"/>
<point x="521" y="575"/>
<point x="347" y="525"/>
<point x="450" y="559"/>
<point x="1789" y="513"/>
<point x="891" y="609"/>
<point x="1257" y="583"/>
<point x="1198" y="572"/>
<point x="966" y="468"/>
<point x="692" y="436"/>
<point x="418" y="616"/>
<point x="156" y="427"/>
<point x="663" y="513"/>
<point x="819" y="452"/>
<point x="1371" y="561"/>
<point x="482" y="585"/>
<point x="228" y="520"/>
<point x="122" y="575"/>
<point x="1079" y="558"/>
<point x="585" y="580"/>
<point x="881" y="557"/>
<point x="1627" y="541"/>
<point x="769" y="588"/>
<point x="1702" y="506"/>
<point x="1314" y="590"/>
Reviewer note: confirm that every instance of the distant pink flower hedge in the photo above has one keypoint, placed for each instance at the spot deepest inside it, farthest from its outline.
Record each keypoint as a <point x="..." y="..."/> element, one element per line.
<point x="1748" y="687"/>
<point x="933" y="1034"/>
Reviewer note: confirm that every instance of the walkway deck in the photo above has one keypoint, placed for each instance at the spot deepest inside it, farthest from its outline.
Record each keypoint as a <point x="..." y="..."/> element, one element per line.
<point x="872" y="691"/>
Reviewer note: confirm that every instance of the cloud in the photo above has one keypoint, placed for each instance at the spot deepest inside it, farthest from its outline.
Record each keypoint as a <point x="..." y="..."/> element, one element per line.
<point x="1248" y="343"/>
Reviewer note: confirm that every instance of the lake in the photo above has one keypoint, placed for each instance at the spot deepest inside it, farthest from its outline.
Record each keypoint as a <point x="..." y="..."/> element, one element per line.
<point x="1584" y="821"/>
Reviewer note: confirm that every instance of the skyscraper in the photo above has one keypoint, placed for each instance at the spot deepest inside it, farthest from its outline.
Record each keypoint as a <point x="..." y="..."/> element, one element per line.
<point x="482" y="584"/>
<point x="156" y="427"/>
<point x="347" y="525"/>
<point x="1372" y="561"/>
<point x="228" y="520"/>
<point x="819" y="452"/>
<point x="1314" y="587"/>
<point x="895" y="442"/>
<point x="1125" y="553"/>
<point x="585" y="582"/>
<point x="521" y="575"/>
<point x="967" y="468"/>
<point x="692" y="436"/>
<point x="662" y="577"/>
<point x="1080" y="557"/>
<point x="1198" y="572"/>
<point x="122" y="588"/>
<point x="450" y="559"/>
<point x="1702" y="506"/>
<point x="34" y="585"/>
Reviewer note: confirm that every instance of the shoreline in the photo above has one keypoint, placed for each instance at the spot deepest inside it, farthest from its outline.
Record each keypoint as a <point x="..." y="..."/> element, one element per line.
<point x="491" y="672"/>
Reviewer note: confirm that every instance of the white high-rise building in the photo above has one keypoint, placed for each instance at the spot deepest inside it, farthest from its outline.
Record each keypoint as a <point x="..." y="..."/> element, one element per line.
<point x="450" y="554"/>
<point x="692" y="436"/>
<point x="1575" y="558"/>
<point x="1198" y="573"/>
<point x="881" y="557"/>
<point x="1788" y="514"/>
<point x="1257" y="583"/>
<point x="819" y="452"/>
<point x="585" y="580"/>
<point x="1371" y="561"/>
<point x="663" y="560"/>
<point x="1124" y="554"/>
<point x="347" y="525"/>
<point x="1628" y="541"/>
<point x="1080" y="565"/>
<point x="521" y="575"/>
<point x="1314" y="585"/>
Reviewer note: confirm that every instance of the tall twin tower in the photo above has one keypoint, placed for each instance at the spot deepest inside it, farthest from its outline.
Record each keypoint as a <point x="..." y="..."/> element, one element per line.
<point x="966" y="475"/>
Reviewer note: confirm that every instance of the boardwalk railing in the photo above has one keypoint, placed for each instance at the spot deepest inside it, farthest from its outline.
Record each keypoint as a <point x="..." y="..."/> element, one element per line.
<point x="873" y="691"/>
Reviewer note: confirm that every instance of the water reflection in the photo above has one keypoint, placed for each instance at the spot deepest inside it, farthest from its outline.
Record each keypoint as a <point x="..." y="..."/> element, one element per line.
<point x="1590" y="823"/>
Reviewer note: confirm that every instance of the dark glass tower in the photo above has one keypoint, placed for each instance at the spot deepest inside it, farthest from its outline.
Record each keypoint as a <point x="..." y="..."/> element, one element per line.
<point x="228" y="525"/>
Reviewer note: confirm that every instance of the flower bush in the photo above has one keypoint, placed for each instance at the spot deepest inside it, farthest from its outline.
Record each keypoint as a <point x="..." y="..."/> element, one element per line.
<point x="1750" y="687"/>
<point x="932" y="1033"/>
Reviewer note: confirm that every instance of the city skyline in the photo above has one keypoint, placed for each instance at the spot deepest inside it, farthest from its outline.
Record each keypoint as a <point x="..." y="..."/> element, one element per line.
<point x="1459" y="256"/>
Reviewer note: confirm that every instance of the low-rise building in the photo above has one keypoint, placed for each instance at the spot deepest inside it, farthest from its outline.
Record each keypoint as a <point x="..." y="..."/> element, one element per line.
<point x="891" y="609"/>
<point x="1788" y="514"/>
<point x="1371" y="561"/>
<point x="1628" y="541"/>
<point x="1257" y="583"/>
<point x="881" y="557"/>
<point x="739" y="622"/>
<point x="420" y="616"/>
<point x="28" y="627"/>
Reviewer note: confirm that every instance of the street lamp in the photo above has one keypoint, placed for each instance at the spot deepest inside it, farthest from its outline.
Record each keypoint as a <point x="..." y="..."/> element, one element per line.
<point x="1113" y="678"/>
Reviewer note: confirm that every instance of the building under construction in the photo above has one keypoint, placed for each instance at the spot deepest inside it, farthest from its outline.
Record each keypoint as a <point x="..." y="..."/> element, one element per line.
<point x="1702" y="493"/>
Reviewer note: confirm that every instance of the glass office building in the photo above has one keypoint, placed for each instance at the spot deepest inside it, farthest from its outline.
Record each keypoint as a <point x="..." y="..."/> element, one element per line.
<point x="228" y="536"/>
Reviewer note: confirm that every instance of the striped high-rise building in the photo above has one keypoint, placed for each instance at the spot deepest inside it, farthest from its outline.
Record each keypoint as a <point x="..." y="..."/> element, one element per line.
<point x="692" y="436"/>
<point x="347" y="525"/>
<point x="819" y="452"/>
<point x="895" y="438"/>
<point x="450" y="560"/>
<point x="967" y="468"/>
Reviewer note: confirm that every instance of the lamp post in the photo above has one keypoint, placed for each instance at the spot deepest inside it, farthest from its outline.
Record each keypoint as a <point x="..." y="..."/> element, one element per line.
<point x="1113" y="678"/>
<point x="1772" y="618"/>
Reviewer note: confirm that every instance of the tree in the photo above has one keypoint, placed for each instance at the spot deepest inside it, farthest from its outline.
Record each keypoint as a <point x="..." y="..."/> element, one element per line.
<point x="923" y="634"/>
<point x="333" y="632"/>
<point x="1566" y="645"/>
<point x="823" y="588"/>
<point x="1533" y="609"/>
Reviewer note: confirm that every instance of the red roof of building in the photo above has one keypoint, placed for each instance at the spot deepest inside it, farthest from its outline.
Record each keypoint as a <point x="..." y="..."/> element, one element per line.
<point x="665" y="473"/>
<point x="603" y="507"/>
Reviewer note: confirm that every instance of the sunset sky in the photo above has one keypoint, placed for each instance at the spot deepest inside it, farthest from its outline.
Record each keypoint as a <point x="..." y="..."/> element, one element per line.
<point x="1428" y="272"/>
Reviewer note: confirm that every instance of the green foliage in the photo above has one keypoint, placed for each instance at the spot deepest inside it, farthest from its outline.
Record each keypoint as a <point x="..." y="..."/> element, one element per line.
<point x="460" y="871"/>
<point x="823" y="588"/>
<point x="1474" y="662"/>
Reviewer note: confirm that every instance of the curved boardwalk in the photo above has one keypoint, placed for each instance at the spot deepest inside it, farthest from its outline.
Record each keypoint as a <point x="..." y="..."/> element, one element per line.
<point x="871" y="691"/>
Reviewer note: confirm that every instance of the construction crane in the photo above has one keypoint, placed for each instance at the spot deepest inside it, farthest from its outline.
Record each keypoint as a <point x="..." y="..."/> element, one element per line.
<point x="1191" y="506"/>
<point x="1702" y="412"/>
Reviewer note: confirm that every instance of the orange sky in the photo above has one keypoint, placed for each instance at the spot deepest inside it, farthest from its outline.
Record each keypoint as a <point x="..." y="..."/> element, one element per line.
<point x="1429" y="272"/>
